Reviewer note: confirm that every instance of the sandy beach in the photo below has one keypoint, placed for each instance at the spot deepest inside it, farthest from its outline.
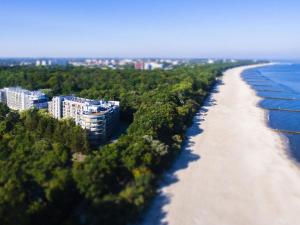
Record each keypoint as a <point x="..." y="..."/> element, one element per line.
<point x="233" y="170"/>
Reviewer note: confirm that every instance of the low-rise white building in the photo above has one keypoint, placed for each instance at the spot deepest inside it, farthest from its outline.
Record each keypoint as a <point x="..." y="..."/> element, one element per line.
<point x="20" y="99"/>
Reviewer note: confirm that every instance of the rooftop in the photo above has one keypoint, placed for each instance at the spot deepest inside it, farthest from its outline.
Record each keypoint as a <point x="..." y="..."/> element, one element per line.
<point x="91" y="102"/>
<point x="21" y="90"/>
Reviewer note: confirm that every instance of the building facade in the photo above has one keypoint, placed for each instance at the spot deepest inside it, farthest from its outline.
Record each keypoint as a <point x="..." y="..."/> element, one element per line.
<point x="20" y="99"/>
<point x="98" y="117"/>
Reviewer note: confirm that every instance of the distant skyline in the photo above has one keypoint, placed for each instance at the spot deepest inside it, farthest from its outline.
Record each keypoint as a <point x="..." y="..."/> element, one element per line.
<point x="156" y="28"/>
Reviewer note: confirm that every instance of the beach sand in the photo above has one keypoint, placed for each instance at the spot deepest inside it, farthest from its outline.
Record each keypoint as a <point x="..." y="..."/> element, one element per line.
<point x="234" y="169"/>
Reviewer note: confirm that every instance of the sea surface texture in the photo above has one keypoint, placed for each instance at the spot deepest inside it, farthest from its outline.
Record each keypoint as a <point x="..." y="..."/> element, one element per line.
<point x="279" y="87"/>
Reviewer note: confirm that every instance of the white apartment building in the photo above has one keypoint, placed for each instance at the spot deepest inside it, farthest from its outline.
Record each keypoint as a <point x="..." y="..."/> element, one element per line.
<point x="20" y="99"/>
<point x="97" y="116"/>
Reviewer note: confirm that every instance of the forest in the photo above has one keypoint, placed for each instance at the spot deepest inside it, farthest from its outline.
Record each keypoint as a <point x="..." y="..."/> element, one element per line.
<point x="40" y="180"/>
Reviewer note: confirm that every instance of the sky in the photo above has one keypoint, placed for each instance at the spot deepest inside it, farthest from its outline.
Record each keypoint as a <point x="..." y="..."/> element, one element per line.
<point x="150" y="28"/>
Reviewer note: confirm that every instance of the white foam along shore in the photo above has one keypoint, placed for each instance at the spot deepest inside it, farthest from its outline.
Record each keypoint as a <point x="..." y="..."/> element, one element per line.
<point x="233" y="170"/>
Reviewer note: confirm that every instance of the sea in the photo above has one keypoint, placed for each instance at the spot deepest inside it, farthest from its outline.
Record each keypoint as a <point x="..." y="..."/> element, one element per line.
<point x="279" y="88"/>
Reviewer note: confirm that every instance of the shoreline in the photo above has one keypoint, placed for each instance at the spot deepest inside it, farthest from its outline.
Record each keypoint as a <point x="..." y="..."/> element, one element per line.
<point x="286" y="150"/>
<point x="283" y="138"/>
<point x="234" y="169"/>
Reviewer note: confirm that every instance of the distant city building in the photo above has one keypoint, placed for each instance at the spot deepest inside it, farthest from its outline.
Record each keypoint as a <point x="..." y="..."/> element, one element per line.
<point x="139" y="65"/>
<point x="175" y="63"/>
<point x="25" y="63"/>
<point x="97" y="116"/>
<point x="20" y="99"/>
<point x="210" y="61"/>
<point x="44" y="63"/>
<point x="77" y="63"/>
<point x="124" y="62"/>
<point x="152" y="66"/>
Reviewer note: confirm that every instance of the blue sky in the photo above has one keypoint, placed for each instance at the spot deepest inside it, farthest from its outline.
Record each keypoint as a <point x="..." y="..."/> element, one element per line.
<point x="150" y="28"/>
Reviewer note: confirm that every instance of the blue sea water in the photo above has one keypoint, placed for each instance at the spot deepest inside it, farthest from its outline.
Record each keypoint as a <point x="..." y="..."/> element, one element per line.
<point x="279" y="87"/>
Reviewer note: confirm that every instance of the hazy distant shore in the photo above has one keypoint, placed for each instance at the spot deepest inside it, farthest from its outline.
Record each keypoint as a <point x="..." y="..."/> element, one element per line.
<point x="233" y="169"/>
